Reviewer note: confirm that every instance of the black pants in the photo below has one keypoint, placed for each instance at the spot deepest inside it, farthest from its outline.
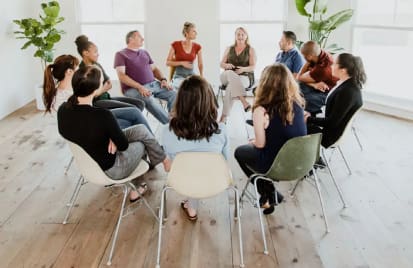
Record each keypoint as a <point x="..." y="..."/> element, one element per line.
<point x="247" y="158"/>
<point x="314" y="99"/>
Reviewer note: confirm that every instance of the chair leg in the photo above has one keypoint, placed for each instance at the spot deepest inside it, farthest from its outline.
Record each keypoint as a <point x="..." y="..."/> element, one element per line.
<point x="165" y="210"/>
<point x="132" y="186"/>
<point x="69" y="165"/>
<point x="241" y="252"/>
<point x="321" y="200"/>
<point x="73" y="198"/>
<point x="257" y="202"/>
<point x="334" y="181"/>
<point x="353" y="129"/>
<point x="345" y="160"/>
<point x="161" y="212"/>
<point x="115" y="236"/>
<point x="295" y="186"/>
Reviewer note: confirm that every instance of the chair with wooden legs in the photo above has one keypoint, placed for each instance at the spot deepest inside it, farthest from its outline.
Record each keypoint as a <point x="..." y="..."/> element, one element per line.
<point x="91" y="172"/>
<point x="199" y="175"/>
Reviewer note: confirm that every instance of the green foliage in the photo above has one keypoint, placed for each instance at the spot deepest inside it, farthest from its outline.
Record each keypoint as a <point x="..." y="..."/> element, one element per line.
<point x="319" y="27"/>
<point x="42" y="33"/>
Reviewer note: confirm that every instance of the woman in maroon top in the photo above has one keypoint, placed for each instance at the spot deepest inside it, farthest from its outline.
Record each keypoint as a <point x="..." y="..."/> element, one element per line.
<point x="182" y="55"/>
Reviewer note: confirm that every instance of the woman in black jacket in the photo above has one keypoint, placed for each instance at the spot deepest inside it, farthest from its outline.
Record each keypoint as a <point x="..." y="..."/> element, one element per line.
<point x="342" y="101"/>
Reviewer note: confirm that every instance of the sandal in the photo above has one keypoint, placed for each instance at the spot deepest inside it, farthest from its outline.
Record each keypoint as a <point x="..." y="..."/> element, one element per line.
<point x="248" y="108"/>
<point x="185" y="208"/>
<point x="143" y="188"/>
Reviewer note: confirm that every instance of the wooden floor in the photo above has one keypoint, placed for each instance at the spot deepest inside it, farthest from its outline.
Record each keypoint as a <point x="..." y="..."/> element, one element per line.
<point x="375" y="231"/>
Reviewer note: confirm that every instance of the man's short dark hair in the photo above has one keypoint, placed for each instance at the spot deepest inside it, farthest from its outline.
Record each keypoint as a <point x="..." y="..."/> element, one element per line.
<point x="129" y="35"/>
<point x="290" y="36"/>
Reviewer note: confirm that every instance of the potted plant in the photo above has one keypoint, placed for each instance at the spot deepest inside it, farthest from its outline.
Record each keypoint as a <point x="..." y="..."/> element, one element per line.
<point x="43" y="35"/>
<point x="320" y="28"/>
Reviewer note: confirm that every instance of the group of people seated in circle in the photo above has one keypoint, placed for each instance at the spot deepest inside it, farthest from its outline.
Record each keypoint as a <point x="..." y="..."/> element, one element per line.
<point x="288" y="97"/>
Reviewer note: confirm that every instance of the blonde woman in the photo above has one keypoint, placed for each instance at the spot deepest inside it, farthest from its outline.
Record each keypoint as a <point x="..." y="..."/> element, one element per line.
<point x="278" y="116"/>
<point x="182" y="55"/>
<point x="238" y="63"/>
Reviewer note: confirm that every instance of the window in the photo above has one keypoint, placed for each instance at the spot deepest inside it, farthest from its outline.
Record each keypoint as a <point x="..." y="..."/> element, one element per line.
<point x="264" y="22"/>
<point x="106" y="23"/>
<point x="383" y="36"/>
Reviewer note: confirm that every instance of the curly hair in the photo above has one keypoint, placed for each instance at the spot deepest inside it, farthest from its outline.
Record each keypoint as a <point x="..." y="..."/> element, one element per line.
<point x="277" y="91"/>
<point x="195" y="112"/>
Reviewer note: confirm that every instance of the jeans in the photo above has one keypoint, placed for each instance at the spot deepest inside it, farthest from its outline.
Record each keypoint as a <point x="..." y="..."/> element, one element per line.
<point x="140" y="140"/>
<point x="314" y="99"/>
<point x="129" y="116"/>
<point x="153" y="105"/>
<point x="119" y="102"/>
<point x="247" y="157"/>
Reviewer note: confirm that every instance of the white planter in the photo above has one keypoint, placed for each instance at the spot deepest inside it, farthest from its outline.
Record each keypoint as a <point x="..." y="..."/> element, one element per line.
<point x="38" y="91"/>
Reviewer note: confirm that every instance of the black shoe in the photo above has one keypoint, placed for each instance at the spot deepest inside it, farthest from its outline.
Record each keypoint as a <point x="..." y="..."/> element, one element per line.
<point x="269" y="210"/>
<point x="249" y="122"/>
<point x="320" y="163"/>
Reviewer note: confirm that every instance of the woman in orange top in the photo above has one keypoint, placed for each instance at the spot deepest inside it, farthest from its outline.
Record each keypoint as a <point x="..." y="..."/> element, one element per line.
<point x="182" y="55"/>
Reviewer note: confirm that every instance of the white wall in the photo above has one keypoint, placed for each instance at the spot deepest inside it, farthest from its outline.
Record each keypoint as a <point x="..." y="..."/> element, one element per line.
<point x="164" y="22"/>
<point x="18" y="69"/>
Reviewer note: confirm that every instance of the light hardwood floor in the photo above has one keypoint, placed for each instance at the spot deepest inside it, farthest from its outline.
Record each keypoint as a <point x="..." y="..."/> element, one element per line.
<point x="375" y="231"/>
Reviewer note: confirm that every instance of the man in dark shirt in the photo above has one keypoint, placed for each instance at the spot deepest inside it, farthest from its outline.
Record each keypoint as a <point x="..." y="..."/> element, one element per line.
<point x="316" y="77"/>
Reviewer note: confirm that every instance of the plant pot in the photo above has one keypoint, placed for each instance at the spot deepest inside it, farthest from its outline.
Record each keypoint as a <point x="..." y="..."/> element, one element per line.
<point x="38" y="91"/>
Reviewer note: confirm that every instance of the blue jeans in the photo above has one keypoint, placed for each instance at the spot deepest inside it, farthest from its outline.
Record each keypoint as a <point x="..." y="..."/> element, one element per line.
<point x="314" y="99"/>
<point x="153" y="105"/>
<point x="129" y="116"/>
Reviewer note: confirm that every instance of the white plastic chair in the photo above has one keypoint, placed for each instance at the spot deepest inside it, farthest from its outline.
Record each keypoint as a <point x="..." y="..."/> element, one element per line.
<point x="91" y="172"/>
<point x="339" y="141"/>
<point x="199" y="175"/>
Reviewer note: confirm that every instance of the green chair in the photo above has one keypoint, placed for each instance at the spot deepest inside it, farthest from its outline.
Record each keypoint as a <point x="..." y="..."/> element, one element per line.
<point x="294" y="161"/>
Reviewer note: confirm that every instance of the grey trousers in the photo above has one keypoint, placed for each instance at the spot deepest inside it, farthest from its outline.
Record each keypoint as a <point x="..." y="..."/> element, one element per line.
<point x="140" y="141"/>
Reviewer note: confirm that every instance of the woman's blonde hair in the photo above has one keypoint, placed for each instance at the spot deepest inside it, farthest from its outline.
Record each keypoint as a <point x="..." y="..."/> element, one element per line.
<point x="247" y="41"/>
<point x="187" y="26"/>
<point x="277" y="91"/>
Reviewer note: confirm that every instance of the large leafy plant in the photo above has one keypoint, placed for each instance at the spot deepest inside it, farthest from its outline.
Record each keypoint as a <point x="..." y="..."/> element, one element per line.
<point x="42" y="33"/>
<point x="320" y="27"/>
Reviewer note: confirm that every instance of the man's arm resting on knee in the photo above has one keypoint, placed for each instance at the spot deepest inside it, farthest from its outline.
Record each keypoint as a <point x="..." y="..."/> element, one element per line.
<point x="125" y="79"/>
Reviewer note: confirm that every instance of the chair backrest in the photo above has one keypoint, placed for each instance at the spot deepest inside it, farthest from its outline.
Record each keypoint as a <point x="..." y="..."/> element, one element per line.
<point x="92" y="172"/>
<point x="296" y="158"/>
<point x="348" y="126"/>
<point x="199" y="174"/>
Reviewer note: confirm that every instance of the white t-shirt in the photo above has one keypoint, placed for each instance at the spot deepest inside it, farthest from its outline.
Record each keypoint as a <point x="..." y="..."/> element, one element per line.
<point x="62" y="95"/>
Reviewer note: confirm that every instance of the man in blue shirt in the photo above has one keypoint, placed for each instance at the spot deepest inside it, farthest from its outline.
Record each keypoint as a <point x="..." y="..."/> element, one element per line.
<point x="289" y="54"/>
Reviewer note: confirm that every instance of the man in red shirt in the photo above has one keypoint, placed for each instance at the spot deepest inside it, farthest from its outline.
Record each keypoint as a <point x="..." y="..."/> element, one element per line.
<point x="315" y="77"/>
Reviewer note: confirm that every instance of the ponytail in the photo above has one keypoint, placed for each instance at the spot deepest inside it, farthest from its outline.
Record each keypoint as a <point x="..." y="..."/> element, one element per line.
<point x="49" y="88"/>
<point x="359" y="75"/>
<point x="354" y="66"/>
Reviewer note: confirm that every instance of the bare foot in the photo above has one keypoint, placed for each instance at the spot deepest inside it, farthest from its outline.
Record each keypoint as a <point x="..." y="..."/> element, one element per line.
<point x="167" y="164"/>
<point x="142" y="189"/>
